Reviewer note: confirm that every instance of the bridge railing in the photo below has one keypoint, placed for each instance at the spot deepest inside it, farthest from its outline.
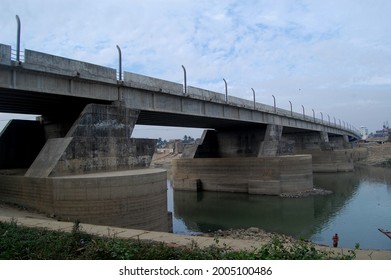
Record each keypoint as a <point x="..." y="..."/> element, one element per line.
<point x="244" y="103"/>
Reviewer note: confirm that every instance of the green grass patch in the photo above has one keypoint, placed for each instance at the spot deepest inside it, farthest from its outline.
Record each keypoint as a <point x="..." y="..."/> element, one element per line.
<point x="21" y="243"/>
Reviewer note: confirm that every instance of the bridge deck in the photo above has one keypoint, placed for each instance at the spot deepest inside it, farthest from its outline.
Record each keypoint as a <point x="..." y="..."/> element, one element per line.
<point x="50" y="85"/>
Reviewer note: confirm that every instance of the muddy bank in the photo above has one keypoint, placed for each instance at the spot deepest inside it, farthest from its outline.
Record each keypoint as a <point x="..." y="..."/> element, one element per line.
<point x="253" y="234"/>
<point x="378" y="155"/>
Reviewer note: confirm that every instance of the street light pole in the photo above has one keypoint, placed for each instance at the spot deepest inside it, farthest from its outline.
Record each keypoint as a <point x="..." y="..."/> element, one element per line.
<point x="185" y="79"/>
<point x="253" y="96"/>
<point x="119" y="62"/>
<point x="226" y="91"/>
<point x="18" y="39"/>
<point x="275" y="108"/>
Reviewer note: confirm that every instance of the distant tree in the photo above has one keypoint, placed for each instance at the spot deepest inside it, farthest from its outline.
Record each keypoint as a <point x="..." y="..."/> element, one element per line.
<point x="188" y="139"/>
<point x="161" y="142"/>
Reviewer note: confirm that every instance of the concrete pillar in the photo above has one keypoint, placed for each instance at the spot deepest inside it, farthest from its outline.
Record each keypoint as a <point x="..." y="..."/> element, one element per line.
<point x="98" y="141"/>
<point x="227" y="143"/>
<point x="339" y="142"/>
<point x="325" y="143"/>
<point x="346" y="142"/>
<point x="269" y="147"/>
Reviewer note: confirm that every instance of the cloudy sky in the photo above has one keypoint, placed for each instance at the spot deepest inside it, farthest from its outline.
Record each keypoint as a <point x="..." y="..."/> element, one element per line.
<point x="333" y="56"/>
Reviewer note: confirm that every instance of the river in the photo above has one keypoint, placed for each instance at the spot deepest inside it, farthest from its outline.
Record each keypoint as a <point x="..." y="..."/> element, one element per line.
<point x="359" y="205"/>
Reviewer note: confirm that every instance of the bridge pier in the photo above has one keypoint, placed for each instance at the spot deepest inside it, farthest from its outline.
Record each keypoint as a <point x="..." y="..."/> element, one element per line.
<point x="98" y="141"/>
<point x="94" y="172"/>
<point x="266" y="159"/>
<point x="242" y="160"/>
<point x="270" y="145"/>
<point x="330" y="153"/>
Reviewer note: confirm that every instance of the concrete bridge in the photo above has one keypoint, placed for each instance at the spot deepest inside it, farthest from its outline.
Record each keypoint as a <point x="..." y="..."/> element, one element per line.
<point x="88" y="115"/>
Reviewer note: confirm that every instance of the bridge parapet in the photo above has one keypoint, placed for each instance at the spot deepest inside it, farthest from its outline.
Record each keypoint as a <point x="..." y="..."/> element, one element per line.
<point x="5" y="54"/>
<point x="152" y="83"/>
<point x="60" y="65"/>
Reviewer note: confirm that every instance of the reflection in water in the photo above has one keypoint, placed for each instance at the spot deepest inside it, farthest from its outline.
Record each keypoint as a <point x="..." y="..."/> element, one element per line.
<point x="360" y="203"/>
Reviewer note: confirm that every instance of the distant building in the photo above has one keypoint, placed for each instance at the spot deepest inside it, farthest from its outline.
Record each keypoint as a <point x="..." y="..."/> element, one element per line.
<point x="364" y="132"/>
<point x="383" y="132"/>
<point x="380" y="136"/>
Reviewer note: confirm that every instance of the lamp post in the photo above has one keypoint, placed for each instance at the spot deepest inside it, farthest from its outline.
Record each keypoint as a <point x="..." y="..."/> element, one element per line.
<point x="291" y="108"/>
<point x="226" y="91"/>
<point x="18" y="39"/>
<point x="184" y="79"/>
<point x="313" y="114"/>
<point x="119" y="62"/>
<point x="275" y="108"/>
<point x="253" y="96"/>
<point x="303" y="112"/>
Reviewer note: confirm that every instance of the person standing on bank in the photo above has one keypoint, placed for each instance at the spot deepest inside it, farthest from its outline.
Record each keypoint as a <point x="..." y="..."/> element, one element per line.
<point x="335" y="240"/>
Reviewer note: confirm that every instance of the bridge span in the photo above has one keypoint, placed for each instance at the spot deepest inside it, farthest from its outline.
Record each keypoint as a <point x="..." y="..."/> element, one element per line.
<point x="88" y="115"/>
<point x="48" y="85"/>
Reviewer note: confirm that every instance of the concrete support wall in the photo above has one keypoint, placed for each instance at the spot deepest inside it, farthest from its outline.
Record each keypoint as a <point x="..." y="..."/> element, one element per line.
<point x="208" y="148"/>
<point x="269" y="146"/>
<point x="265" y="175"/>
<point x="303" y="142"/>
<point x="228" y="143"/>
<point x="333" y="161"/>
<point x="98" y="141"/>
<point x="134" y="199"/>
<point x="340" y="142"/>
<point x="240" y="142"/>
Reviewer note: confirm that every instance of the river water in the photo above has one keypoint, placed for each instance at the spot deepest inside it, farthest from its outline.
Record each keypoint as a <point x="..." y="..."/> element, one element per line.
<point x="359" y="205"/>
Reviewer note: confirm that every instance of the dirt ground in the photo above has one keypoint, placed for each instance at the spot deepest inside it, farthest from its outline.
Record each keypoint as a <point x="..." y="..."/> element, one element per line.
<point x="378" y="155"/>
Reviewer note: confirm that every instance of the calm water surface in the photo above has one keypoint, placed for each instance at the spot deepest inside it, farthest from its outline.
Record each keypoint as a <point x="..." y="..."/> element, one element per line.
<point x="359" y="205"/>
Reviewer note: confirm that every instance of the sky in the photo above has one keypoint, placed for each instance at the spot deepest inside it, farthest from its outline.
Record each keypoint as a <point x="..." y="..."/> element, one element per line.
<point x="332" y="56"/>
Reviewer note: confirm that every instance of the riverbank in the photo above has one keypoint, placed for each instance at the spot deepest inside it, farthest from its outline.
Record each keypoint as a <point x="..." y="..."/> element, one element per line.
<point x="378" y="155"/>
<point x="48" y="239"/>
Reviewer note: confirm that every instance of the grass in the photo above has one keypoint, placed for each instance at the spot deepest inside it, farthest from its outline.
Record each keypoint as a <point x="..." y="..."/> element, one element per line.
<point x="22" y="243"/>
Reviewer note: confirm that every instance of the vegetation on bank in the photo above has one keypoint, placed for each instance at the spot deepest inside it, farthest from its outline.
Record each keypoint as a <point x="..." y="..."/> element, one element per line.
<point x="22" y="243"/>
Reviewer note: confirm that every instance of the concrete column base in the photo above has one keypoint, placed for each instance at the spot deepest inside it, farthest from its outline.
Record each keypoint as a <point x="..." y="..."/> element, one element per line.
<point x="265" y="175"/>
<point x="134" y="199"/>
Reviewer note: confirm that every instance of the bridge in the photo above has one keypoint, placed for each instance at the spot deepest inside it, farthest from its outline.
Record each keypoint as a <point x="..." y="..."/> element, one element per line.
<point x="87" y="115"/>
